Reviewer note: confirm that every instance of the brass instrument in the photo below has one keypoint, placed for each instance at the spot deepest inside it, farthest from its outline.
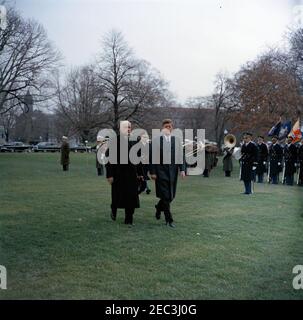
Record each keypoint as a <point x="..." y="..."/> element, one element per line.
<point x="230" y="142"/>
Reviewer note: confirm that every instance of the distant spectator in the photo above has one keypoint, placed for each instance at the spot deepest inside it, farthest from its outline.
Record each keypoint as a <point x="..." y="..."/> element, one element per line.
<point x="65" y="153"/>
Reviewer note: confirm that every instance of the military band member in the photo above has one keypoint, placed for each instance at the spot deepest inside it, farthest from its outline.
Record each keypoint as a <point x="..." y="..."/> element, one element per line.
<point x="249" y="162"/>
<point x="228" y="161"/>
<point x="124" y="179"/>
<point x="275" y="160"/>
<point x="65" y="150"/>
<point x="290" y="161"/>
<point x="166" y="175"/>
<point x="262" y="159"/>
<point x="300" y="163"/>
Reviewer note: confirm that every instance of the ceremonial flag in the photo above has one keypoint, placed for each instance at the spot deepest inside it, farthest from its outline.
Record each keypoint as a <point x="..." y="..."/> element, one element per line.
<point x="296" y="132"/>
<point x="275" y="130"/>
<point x="285" y="130"/>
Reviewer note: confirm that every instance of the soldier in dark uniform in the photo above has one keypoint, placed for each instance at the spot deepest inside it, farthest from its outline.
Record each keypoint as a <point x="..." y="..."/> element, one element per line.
<point x="228" y="161"/>
<point x="300" y="163"/>
<point x="65" y="153"/>
<point x="275" y="160"/>
<point x="248" y="161"/>
<point x="124" y="178"/>
<point x="262" y="159"/>
<point x="290" y="160"/>
<point x="166" y="175"/>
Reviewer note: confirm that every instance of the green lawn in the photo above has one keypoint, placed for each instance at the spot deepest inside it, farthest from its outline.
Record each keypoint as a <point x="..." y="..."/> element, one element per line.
<point x="57" y="240"/>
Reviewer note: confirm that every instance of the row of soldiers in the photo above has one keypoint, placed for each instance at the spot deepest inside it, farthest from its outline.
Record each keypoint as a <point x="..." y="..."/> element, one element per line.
<point x="273" y="159"/>
<point x="279" y="158"/>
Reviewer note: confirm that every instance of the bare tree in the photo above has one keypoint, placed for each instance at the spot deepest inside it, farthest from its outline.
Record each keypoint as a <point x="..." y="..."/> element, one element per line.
<point x="223" y="105"/>
<point x="8" y="121"/>
<point x="129" y="85"/>
<point x="80" y="102"/>
<point x="26" y="56"/>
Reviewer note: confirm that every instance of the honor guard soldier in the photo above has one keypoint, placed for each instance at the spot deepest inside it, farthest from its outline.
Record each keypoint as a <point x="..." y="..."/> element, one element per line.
<point x="290" y="160"/>
<point x="262" y="159"/>
<point x="249" y="162"/>
<point x="300" y="164"/>
<point x="275" y="160"/>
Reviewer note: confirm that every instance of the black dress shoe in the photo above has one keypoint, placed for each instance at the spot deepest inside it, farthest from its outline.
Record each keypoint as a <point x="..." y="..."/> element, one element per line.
<point x="170" y="224"/>
<point x="113" y="216"/>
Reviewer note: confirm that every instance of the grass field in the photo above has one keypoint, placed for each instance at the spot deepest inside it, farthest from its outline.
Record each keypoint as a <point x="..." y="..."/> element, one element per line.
<point x="57" y="240"/>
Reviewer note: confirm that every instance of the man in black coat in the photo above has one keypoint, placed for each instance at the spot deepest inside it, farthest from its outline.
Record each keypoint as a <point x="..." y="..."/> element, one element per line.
<point x="290" y="161"/>
<point x="124" y="178"/>
<point x="262" y="159"/>
<point x="249" y="162"/>
<point x="65" y="150"/>
<point x="300" y="163"/>
<point x="275" y="160"/>
<point x="166" y="175"/>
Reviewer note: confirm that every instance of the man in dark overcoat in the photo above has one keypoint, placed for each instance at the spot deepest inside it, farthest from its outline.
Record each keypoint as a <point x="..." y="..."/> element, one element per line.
<point x="275" y="160"/>
<point x="262" y="159"/>
<point x="248" y="161"/>
<point x="123" y="177"/>
<point x="65" y="153"/>
<point x="166" y="175"/>
<point x="290" y="160"/>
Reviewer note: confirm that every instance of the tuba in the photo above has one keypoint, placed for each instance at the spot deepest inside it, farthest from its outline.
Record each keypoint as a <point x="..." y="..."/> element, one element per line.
<point x="230" y="142"/>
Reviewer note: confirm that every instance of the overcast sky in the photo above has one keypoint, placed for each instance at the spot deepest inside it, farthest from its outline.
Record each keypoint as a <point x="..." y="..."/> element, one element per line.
<point x="188" y="41"/>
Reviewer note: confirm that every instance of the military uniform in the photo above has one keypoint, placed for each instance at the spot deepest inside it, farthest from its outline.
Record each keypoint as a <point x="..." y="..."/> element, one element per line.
<point x="65" y="155"/>
<point x="228" y="161"/>
<point x="300" y="162"/>
<point x="275" y="161"/>
<point x="290" y="160"/>
<point x="248" y="161"/>
<point x="262" y="161"/>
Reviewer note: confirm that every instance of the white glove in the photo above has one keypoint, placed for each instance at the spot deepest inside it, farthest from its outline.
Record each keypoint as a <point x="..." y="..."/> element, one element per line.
<point x="279" y="163"/>
<point x="264" y="162"/>
<point x="254" y="168"/>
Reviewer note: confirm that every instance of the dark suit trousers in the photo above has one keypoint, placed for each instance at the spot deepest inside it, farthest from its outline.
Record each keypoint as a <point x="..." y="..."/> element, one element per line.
<point x="164" y="205"/>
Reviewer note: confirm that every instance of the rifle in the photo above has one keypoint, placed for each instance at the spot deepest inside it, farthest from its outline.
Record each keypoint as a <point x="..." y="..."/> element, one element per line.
<point x="298" y="177"/>
<point x="268" y="174"/>
<point x="283" y="174"/>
